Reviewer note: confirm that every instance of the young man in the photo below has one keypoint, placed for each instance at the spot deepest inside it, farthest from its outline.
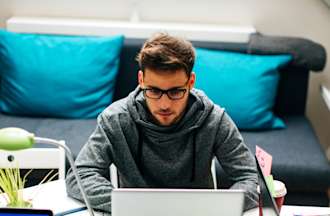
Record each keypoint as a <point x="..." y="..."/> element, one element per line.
<point x="164" y="134"/>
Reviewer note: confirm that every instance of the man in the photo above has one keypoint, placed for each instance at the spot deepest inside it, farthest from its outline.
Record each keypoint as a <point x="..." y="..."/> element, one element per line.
<point x="164" y="134"/>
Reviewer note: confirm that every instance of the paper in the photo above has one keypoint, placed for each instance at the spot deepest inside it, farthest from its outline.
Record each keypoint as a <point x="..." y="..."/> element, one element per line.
<point x="52" y="195"/>
<point x="265" y="160"/>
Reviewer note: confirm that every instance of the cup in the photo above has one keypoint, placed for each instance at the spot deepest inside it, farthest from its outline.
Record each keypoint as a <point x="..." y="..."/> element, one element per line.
<point x="279" y="193"/>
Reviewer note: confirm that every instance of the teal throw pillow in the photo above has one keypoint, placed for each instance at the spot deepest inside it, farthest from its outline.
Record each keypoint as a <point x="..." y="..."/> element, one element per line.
<point x="56" y="75"/>
<point x="244" y="84"/>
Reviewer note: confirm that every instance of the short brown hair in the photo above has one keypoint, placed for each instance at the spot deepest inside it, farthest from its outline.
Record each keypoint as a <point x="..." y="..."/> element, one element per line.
<point x="166" y="53"/>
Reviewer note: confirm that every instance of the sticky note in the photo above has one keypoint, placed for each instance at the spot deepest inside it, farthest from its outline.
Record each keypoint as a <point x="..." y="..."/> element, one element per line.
<point x="270" y="184"/>
<point x="265" y="160"/>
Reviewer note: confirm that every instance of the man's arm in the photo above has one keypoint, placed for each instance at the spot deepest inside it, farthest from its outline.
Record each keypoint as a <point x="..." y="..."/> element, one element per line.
<point x="237" y="161"/>
<point x="93" y="164"/>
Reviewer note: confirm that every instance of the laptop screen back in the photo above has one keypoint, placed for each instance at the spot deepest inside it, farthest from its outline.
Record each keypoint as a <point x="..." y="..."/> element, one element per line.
<point x="269" y="207"/>
<point x="183" y="202"/>
<point x="24" y="212"/>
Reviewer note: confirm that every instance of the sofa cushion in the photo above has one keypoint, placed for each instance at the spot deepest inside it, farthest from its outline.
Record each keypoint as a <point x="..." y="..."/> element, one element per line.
<point x="244" y="84"/>
<point x="57" y="76"/>
<point x="298" y="159"/>
<point x="74" y="132"/>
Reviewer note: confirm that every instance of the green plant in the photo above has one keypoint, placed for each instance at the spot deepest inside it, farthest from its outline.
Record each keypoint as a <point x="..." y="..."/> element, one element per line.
<point x="12" y="184"/>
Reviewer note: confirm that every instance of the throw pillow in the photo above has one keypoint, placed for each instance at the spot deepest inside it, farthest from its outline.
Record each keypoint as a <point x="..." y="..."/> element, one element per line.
<point x="57" y="75"/>
<point x="244" y="84"/>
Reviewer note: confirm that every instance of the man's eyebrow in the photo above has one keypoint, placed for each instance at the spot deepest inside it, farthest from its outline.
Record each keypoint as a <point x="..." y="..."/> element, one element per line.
<point x="155" y="87"/>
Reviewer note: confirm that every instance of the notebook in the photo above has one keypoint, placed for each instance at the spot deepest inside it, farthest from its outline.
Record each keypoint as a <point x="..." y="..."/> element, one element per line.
<point x="269" y="207"/>
<point x="24" y="212"/>
<point x="182" y="202"/>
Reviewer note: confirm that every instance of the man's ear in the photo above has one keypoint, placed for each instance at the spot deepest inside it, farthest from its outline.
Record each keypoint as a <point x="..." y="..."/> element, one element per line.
<point x="140" y="78"/>
<point x="192" y="80"/>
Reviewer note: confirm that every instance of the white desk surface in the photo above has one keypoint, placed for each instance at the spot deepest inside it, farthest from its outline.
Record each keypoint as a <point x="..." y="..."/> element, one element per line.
<point x="53" y="196"/>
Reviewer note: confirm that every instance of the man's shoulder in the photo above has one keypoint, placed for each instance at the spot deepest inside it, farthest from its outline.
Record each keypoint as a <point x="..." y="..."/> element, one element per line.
<point x="219" y="117"/>
<point x="117" y="108"/>
<point x="217" y="111"/>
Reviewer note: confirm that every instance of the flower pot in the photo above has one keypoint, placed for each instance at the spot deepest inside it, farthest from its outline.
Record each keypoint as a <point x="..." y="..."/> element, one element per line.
<point x="21" y="204"/>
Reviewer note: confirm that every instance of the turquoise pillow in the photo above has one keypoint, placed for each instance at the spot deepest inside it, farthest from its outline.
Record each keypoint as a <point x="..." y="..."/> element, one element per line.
<point x="56" y="75"/>
<point x="244" y="84"/>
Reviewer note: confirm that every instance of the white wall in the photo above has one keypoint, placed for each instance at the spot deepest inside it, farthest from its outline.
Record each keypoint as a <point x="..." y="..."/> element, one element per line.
<point x="202" y="11"/>
<point x="305" y="18"/>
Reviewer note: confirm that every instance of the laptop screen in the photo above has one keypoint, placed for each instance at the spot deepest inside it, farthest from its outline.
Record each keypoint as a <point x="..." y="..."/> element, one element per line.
<point x="176" y="202"/>
<point x="24" y="212"/>
<point x="267" y="201"/>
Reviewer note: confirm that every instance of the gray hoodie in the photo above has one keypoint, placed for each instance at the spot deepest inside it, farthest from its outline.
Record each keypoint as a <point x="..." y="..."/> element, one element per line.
<point x="149" y="155"/>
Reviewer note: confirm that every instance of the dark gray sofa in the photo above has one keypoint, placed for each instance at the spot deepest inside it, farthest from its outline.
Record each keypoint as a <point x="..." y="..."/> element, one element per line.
<point x="298" y="158"/>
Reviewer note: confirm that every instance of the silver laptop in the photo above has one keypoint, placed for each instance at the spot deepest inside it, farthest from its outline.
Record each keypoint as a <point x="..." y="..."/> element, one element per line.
<point x="176" y="202"/>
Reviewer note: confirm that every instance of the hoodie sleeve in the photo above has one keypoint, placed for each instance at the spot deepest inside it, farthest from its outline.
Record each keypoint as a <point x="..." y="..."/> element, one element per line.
<point x="93" y="164"/>
<point x="237" y="160"/>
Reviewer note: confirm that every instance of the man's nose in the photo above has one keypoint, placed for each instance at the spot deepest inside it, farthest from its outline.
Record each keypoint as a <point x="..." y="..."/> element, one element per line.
<point x="164" y="102"/>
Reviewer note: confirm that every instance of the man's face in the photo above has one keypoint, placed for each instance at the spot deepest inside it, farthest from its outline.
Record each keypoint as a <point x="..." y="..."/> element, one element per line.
<point x="165" y="110"/>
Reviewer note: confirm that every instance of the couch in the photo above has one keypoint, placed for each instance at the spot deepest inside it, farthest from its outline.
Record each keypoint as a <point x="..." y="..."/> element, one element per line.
<point x="298" y="158"/>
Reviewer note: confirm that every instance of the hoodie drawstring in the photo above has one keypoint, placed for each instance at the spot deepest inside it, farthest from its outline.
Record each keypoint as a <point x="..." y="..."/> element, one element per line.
<point x="193" y="170"/>
<point x="139" y="150"/>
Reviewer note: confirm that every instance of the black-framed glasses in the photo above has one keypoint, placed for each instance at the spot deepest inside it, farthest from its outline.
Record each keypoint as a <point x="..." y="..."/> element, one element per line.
<point x="156" y="93"/>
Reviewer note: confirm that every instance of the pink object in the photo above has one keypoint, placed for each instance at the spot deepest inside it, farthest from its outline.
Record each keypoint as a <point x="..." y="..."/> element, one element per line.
<point x="265" y="160"/>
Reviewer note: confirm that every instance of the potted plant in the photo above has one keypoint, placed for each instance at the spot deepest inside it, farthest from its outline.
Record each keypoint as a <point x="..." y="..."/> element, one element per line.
<point x="12" y="185"/>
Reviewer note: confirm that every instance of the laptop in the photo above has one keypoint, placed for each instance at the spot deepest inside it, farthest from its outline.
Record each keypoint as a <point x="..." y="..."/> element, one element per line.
<point x="177" y="202"/>
<point x="267" y="202"/>
<point x="24" y="212"/>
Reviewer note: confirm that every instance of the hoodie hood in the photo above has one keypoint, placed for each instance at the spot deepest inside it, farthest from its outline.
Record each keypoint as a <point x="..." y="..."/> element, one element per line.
<point x="197" y="110"/>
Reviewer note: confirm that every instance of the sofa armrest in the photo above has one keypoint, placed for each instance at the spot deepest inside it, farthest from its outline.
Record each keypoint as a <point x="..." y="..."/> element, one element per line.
<point x="306" y="53"/>
<point x="325" y="93"/>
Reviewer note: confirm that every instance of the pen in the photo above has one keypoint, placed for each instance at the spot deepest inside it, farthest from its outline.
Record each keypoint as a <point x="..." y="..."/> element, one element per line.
<point x="70" y="211"/>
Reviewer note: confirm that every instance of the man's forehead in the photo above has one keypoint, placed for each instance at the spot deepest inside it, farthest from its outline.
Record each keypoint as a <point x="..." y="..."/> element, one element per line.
<point x="165" y="80"/>
<point x="165" y="72"/>
<point x="149" y="74"/>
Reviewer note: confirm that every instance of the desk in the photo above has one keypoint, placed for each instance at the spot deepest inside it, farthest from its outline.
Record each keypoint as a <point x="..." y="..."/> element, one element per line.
<point x="53" y="196"/>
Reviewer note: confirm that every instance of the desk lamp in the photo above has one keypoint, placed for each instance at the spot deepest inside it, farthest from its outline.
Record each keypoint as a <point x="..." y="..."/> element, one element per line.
<point x="12" y="139"/>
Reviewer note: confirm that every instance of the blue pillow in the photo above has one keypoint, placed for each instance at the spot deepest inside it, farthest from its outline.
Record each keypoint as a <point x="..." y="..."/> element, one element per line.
<point x="56" y="75"/>
<point x="244" y="84"/>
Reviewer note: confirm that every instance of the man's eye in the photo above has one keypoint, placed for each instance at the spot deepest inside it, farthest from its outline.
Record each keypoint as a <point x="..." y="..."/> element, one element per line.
<point x="175" y="92"/>
<point x="154" y="91"/>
